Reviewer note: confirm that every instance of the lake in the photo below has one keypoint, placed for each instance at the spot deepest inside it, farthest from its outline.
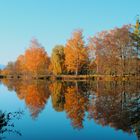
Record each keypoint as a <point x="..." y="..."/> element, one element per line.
<point x="69" y="110"/>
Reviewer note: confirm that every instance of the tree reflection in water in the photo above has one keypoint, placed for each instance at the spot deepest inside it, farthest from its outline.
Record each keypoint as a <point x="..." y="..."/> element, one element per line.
<point x="76" y="104"/>
<point x="117" y="104"/>
<point x="113" y="103"/>
<point x="35" y="94"/>
<point x="7" y="123"/>
<point x="57" y="90"/>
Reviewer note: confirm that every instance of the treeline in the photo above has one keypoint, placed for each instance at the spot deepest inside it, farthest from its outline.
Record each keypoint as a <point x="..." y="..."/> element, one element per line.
<point x="112" y="52"/>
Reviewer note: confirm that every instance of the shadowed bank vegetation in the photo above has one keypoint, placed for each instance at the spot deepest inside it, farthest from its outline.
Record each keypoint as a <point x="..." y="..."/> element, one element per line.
<point x="7" y="125"/>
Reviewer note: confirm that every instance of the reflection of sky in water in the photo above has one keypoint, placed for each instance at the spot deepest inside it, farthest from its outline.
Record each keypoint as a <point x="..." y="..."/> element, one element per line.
<point x="53" y="125"/>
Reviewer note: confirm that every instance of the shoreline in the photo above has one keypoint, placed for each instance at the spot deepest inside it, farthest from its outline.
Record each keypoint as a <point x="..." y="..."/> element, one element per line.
<point x="74" y="77"/>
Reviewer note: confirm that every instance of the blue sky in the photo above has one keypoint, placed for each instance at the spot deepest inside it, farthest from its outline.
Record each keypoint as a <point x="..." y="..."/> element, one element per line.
<point x="53" y="21"/>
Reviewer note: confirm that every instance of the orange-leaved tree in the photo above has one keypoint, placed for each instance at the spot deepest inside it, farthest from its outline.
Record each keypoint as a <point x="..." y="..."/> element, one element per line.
<point x="76" y="56"/>
<point x="36" y="59"/>
<point x="20" y="65"/>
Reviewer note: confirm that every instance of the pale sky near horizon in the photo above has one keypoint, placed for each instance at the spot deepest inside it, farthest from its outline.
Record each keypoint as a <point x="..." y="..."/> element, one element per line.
<point x="53" y="21"/>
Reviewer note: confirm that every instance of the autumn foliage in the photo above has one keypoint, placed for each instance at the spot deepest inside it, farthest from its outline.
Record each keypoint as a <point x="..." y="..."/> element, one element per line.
<point x="58" y="60"/>
<point x="111" y="52"/>
<point x="76" y="56"/>
<point x="75" y="106"/>
<point x="36" y="59"/>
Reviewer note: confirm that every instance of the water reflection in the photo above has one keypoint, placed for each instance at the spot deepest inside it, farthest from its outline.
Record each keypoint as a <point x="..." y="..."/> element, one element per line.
<point x="76" y="103"/>
<point x="57" y="90"/>
<point x="115" y="104"/>
<point x="34" y="93"/>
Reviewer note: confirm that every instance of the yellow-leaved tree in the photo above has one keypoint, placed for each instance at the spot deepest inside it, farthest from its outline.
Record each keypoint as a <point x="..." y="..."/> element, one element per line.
<point x="57" y="60"/>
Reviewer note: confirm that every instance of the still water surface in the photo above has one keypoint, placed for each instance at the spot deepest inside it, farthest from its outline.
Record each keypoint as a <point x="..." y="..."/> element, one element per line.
<point x="96" y="110"/>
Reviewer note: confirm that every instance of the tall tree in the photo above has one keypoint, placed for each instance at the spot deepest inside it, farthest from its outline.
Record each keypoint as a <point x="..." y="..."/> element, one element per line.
<point x="57" y="59"/>
<point x="36" y="59"/>
<point x="137" y="28"/>
<point x="20" y="65"/>
<point x="135" y="35"/>
<point x="112" y="50"/>
<point x="76" y="55"/>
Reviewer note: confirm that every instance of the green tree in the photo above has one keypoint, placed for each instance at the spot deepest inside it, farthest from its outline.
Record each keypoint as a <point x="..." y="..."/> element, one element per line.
<point x="137" y="28"/>
<point x="136" y="43"/>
